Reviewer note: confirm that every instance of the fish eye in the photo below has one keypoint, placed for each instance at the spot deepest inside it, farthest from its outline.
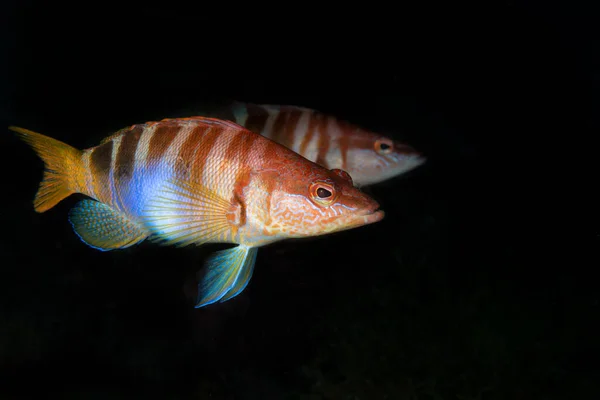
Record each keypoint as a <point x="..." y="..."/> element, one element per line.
<point x="384" y="146"/>
<point x="322" y="193"/>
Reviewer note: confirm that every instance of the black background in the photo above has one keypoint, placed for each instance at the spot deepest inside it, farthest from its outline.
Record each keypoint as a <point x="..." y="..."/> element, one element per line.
<point x="479" y="281"/>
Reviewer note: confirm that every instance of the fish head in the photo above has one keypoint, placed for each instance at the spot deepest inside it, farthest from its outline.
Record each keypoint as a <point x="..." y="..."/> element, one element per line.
<point x="372" y="158"/>
<point x="314" y="201"/>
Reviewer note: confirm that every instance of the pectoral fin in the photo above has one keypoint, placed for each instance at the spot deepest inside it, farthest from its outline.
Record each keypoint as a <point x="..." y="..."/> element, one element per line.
<point x="184" y="213"/>
<point x="104" y="228"/>
<point x="226" y="275"/>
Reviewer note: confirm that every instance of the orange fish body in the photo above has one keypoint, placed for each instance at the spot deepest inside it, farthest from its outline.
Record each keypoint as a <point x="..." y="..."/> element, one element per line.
<point x="193" y="181"/>
<point x="332" y="143"/>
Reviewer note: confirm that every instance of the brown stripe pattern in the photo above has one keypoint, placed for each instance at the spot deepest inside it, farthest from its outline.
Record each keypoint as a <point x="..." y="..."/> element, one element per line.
<point x="185" y="154"/>
<point x="291" y="127"/>
<point x="313" y="122"/>
<point x="124" y="163"/>
<point x="312" y="139"/>
<point x="257" y="118"/>
<point x="162" y="137"/>
<point x="324" y="140"/>
<point x="125" y="158"/>
<point x="207" y="136"/>
<point x="100" y="162"/>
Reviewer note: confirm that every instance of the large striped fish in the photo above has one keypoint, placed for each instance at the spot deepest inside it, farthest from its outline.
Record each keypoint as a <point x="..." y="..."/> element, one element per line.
<point x="333" y="143"/>
<point x="193" y="181"/>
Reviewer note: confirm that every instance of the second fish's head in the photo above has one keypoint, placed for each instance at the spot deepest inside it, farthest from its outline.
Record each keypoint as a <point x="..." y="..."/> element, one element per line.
<point x="372" y="158"/>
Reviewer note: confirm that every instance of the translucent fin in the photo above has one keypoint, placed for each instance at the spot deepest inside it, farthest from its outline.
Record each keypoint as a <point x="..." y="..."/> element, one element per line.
<point x="104" y="228"/>
<point x="209" y="121"/>
<point x="244" y="276"/>
<point x="186" y="213"/>
<point x="63" y="167"/>
<point x="227" y="273"/>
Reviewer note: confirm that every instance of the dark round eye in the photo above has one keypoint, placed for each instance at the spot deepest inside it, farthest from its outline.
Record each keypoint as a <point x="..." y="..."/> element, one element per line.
<point x="384" y="146"/>
<point x="323" y="193"/>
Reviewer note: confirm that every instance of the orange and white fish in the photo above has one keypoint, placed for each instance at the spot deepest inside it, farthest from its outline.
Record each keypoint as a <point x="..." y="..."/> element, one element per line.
<point x="193" y="181"/>
<point x="368" y="157"/>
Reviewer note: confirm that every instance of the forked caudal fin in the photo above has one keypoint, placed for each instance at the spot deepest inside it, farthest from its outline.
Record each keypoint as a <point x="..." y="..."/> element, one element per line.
<point x="63" y="167"/>
<point x="226" y="275"/>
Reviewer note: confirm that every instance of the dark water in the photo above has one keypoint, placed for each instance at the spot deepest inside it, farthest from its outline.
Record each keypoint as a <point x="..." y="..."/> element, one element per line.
<point x="479" y="283"/>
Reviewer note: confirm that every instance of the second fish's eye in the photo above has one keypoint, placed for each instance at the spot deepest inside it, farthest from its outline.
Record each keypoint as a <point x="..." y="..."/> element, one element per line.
<point x="383" y="146"/>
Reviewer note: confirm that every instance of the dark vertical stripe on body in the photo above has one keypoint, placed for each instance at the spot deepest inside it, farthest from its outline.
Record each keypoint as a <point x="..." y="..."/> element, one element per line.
<point x="278" y="130"/>
<point x="323" y="142"/>
<point x="100" y="161"/>
<point x="209" y="137"/>
<point x="312" y="127"/>
<point x="126" y="156"/>
<point x="291" y="127"/>
<point x="344" y="143"/>
<point x="161" y="139"/>
<point x="185" y="156"/>
<point x="101" y="157"/>
<point x="257" y="118"/>
<point x="239" y="147"/>
<point x="227" y="113"/>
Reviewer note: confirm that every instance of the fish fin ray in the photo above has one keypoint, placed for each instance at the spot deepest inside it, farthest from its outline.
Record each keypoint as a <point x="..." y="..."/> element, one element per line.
<point x="226" y="274"/>
<point x="62" y="167"/>
<point x="208" y="121"/>
<point x="244" y="276"/>
<point x="185" y="213"/>
<point x="104" y="228"/>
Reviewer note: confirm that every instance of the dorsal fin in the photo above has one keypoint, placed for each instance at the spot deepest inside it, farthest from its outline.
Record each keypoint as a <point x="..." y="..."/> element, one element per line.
<point x="205" y="120"/>
<point x="118" y="133"/>
<point x="276" y="108"/>
<point x="208" y="121"/>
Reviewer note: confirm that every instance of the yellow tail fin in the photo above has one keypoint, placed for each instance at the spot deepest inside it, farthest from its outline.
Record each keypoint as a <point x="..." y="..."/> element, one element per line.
<point x="63" y="167"/>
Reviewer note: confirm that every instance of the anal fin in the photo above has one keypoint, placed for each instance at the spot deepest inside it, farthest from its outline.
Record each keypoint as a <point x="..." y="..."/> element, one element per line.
<point x="226" y="275"/>
<point x="104" y="228"/>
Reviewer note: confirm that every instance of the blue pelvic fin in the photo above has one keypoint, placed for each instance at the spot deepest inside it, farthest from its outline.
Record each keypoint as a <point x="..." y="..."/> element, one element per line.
<point x="226" y="274"/>
<point x="104" y="228"/>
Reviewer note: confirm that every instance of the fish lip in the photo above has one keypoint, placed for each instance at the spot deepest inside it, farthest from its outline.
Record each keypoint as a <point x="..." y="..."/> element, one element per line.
<point x="418" y="160"/>
<point x="375" y="216"/>
<point x="372" y="214"/>
<point x="406" y="150"/>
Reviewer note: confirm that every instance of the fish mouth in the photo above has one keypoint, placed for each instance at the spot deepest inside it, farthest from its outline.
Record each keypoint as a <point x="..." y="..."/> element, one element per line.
<point x="413" y="156"/>
<point x="405" y="149"/>
<point x="419" y="159"/>
<point x="416" y="161"/>
<point x="370" y="215"/>
<point x="358" y="219"/>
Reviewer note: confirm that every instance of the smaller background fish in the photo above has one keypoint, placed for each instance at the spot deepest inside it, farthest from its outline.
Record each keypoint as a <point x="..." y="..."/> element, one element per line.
<point x="368" y="157"/>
